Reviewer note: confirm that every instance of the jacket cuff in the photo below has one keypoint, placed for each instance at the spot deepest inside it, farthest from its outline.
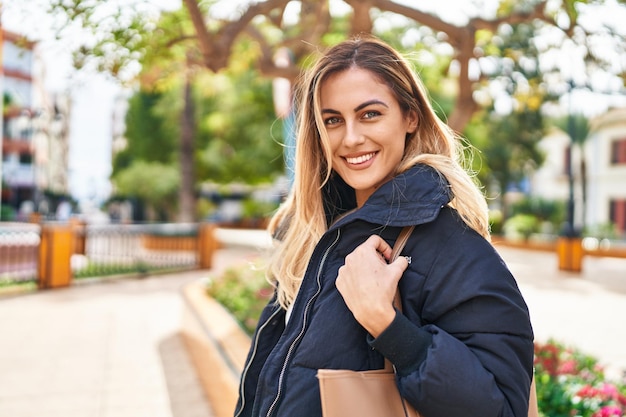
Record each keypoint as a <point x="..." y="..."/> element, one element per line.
<point x="403" y="343"/>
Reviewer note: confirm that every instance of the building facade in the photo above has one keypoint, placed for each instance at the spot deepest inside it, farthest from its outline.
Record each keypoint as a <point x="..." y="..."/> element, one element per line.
<point x="598" y="173"/>
<point x="35" y="133"/>
<point x="605" y="154"/>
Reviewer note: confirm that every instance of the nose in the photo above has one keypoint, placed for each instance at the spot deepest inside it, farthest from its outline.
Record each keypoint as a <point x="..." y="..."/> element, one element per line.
<point x="353" y="135"/>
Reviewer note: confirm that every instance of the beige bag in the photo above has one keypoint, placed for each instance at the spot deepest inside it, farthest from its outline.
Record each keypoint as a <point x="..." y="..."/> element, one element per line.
<point x="365" y="394"/>
<point x="346" y="393"/>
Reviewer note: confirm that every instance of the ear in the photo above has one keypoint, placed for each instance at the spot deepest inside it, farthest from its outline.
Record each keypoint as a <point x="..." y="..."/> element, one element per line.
<point x="412" y="122"/>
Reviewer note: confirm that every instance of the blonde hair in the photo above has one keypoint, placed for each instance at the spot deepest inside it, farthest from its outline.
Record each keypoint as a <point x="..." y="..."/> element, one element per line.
<point x="300" y="222"/>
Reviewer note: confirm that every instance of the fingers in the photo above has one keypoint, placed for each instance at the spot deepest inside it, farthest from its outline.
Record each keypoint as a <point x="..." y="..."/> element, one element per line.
<point x="401" y="264"/>
<point x="372" y="258"/>
<point x="378" y="244"/>
<point x="368" y="283"/>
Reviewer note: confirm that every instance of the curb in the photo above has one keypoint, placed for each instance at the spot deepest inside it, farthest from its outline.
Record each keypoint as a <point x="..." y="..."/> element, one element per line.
<point x="217" y="345"/>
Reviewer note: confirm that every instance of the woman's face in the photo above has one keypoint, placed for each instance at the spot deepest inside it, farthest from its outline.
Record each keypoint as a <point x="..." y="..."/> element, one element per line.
<point x="366" y="128"/>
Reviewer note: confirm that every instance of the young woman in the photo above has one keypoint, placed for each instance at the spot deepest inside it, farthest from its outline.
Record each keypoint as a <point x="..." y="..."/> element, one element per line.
<point x="371" y="158"/>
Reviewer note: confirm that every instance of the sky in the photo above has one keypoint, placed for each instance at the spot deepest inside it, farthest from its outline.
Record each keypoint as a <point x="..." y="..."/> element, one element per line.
<point x="93" y="94"/>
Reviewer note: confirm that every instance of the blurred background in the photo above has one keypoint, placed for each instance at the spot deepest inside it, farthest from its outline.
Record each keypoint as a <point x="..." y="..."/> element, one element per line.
<point x="154" y="136"/>
<point x="138" y="111"/>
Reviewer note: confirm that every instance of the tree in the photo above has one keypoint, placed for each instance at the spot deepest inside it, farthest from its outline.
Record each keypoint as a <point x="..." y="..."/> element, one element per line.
<point x="578" y="128"/>
<point x="271" y="26"/>
<point x="508" y="130"/>
<point x="154" y="183"/>
<point x="507" y="147"/>
<point x="475" y="60"/>
<point x="237" y="136"/>
<point x="149" y="135"/>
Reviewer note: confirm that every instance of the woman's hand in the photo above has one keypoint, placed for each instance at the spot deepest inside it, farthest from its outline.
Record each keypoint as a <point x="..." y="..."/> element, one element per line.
<point x="368" y="283"/>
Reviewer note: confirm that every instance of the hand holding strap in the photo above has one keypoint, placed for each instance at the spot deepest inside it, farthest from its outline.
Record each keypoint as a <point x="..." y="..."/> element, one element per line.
<point x="395" y="252"/>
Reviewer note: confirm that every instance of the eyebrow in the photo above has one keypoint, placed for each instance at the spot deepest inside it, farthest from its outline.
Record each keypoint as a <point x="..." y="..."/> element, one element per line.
<point x="359" y="107"/>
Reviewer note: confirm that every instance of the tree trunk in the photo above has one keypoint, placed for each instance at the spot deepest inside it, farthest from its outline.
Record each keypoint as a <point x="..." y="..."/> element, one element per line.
<point x="187" y="199"/>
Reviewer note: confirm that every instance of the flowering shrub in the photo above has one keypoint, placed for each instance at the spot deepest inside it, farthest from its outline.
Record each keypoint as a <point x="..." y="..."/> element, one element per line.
<point x="242" y="290"/>
<point x="572" y="384"/>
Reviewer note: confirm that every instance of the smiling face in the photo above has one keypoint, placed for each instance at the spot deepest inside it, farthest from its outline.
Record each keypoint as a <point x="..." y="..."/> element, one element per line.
<point x="366" y="129"/>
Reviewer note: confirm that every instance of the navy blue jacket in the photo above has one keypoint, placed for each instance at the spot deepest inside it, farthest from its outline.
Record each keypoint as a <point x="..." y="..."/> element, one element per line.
<point x="463" y="345"/>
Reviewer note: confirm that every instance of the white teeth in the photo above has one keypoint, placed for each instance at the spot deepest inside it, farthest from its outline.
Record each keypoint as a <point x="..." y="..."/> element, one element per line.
<point x="360" y="159"/>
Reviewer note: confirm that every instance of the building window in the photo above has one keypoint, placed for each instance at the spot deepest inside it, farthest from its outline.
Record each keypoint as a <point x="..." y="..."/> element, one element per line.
<point x="26" y="159"/>
<point x="617" y="214"/>
<point x="618" y="152"/>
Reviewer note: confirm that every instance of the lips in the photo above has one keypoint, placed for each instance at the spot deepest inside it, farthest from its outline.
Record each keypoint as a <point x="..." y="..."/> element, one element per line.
<point x="360" y="159"/>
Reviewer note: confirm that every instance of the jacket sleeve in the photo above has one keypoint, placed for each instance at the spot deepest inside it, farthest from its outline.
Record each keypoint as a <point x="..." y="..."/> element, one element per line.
<point x="464" y="345"/>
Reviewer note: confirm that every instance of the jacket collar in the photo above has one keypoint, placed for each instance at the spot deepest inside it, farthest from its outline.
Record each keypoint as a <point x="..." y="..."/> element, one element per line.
<point x="411" y="198"/>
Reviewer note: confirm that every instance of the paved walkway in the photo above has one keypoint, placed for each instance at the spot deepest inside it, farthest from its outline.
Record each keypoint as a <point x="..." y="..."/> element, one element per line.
<point x="114" y="350"/>
<point x="586" y="310"/>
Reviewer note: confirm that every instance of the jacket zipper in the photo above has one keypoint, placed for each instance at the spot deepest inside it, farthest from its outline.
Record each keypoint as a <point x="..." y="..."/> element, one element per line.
<point x="304" y="325"/>
<point x="249" y="363"/>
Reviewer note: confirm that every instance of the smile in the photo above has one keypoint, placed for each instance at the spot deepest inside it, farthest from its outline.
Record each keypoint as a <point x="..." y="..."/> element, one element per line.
<point x="360" y="159"/>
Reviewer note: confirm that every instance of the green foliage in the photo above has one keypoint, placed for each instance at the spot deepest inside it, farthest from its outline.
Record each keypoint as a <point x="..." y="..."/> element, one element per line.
<point x="495" y="221"/>
<point x="11" y="287"/>
<point x="543" y="209"/>
<point x="7" y="101"/>
<point x="241" y="138"/>
<point x="507" y="137"/>
<point x="7" y="213"/>
<point x="149" y="135"/>
<point x="521" y="225"/>
<point x="113" y="37"/>
<point x="576" y="126"/>
<point x="254" y="209"/>
<point x="96" y="269"/>
<point x="507" y="145"/>
<point x="244" y="291"/>
<point x="154" y="183"/>
<point x="238" y="137"/>
<point x="603" y="231"/>
<point x="432" y="67"/>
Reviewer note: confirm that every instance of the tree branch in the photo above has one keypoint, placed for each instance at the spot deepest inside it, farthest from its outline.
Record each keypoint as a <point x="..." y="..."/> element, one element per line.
<point x="205" y="39"/>
<point x="538" y="12"/>
<point x="455" y="33"/>
<point x="215" y="47"/>
<point x="266" y="63"/>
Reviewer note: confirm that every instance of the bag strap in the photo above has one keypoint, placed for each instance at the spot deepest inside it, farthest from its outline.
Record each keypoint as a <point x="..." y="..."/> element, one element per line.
<point x="397" y="301"/>
<point x="395" y="252"/>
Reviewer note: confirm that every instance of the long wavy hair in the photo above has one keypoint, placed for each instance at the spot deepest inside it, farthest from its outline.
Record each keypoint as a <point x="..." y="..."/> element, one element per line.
<point x="301" y="220"/>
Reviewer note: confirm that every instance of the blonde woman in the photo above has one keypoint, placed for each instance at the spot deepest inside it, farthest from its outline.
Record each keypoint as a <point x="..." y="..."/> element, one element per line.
<point x="371" y="158"/>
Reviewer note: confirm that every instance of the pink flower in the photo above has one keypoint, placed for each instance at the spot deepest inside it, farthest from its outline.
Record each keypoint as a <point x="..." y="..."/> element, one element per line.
<point x="587" y="392"/>
<point x="567" y="367"/>
<point x="608" y="411"/>
<point x="610" y="391"/>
